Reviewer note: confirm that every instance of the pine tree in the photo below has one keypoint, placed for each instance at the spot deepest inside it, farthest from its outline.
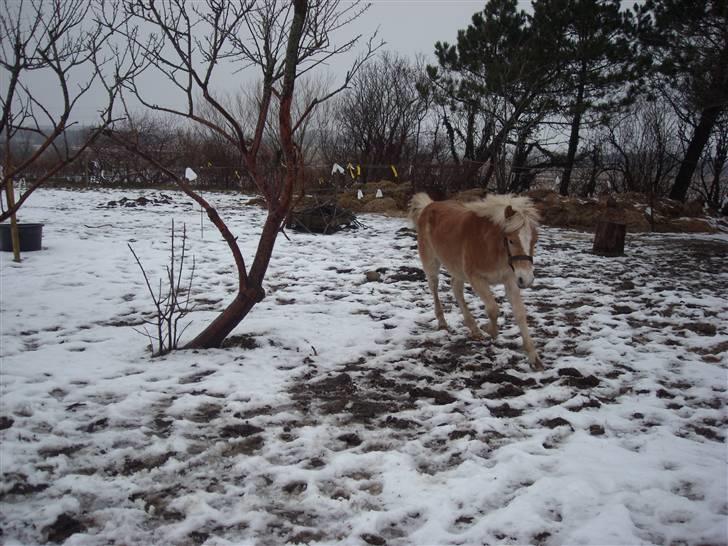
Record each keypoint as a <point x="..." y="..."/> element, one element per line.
<point x="496" y="73"/>
<point x="688" y="41"/>
<point x="590" y="38"/>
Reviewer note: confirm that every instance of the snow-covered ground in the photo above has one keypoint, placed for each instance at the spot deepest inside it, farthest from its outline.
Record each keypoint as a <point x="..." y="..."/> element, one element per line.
<point x="339" y="415"/>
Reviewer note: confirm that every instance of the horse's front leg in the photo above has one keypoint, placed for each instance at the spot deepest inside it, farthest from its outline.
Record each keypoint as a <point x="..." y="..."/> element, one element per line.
<point x="481" y="288"/>
<point x="519" y="312"/>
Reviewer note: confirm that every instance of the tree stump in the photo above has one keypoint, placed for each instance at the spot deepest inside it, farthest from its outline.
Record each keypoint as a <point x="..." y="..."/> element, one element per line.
<point x="609" y="238"/>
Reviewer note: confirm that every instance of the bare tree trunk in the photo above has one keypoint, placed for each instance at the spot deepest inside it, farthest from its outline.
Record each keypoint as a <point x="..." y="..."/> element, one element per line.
<point x="684" y="177"/>
<point x="573" y="139"/>
<point x="251" y="292"/>
<point x="14" y="235"/>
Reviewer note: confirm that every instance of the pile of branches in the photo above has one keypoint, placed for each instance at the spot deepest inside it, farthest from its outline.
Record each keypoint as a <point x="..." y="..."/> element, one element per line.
<point x="323" y="218"/>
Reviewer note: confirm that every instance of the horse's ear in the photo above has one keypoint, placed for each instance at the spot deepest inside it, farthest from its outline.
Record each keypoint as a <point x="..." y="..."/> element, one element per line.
<point x="509" y="212"/>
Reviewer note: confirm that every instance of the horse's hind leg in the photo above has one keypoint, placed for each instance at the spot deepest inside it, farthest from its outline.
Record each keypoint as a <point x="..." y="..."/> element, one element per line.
<point x="458" y="290"/>
<point x="433" y="281"/>
<point x="431" y="266"/>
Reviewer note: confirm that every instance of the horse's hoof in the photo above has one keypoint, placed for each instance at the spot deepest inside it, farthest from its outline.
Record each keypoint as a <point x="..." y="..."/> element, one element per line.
<point x="536" y="363"/>
<point x="477" y="335"/>
<point x="443" y="326"/>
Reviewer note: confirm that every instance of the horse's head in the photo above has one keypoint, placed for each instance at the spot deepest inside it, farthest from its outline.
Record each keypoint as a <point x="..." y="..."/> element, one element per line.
<point x="519" y="236"/>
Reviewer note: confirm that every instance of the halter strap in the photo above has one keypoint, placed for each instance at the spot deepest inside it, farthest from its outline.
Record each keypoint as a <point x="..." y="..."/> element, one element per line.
<point x="517" y="257"/>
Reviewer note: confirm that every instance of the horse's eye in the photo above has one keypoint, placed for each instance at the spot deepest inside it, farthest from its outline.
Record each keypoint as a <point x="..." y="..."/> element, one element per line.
<point x="511" y="241"/>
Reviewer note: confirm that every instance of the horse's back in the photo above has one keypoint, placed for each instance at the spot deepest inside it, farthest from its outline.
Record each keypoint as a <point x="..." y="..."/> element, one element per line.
<point x="442" y="230"/>
<point x="461" y="240"/>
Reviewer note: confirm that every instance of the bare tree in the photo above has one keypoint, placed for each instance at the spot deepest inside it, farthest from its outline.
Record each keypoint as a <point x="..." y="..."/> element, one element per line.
<point x="644" y="146"/>
<point x="378" y="118"/>
<point x="713" y="187"/>
<point x="60" y="41"/>
<point x="188" y="45"/>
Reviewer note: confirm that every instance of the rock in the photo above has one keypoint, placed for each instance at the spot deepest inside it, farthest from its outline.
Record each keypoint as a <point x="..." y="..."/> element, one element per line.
<point x="373" y="276"/>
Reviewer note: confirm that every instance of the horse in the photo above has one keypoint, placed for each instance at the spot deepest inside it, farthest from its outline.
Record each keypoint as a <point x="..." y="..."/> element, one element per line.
<point x="486" y="242"/>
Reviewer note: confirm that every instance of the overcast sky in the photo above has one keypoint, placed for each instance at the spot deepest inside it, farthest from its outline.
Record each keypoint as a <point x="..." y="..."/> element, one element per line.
<point x="408" y="27"/>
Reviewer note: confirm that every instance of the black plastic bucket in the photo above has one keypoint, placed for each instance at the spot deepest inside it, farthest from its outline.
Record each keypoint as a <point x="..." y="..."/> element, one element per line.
<point x="31" y="236"/>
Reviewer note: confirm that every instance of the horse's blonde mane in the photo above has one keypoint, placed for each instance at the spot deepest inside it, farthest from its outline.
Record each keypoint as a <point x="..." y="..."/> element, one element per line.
<point x="494" y="208"/>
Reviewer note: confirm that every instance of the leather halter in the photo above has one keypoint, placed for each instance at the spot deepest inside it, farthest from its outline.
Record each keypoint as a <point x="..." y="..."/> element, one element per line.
<point x="517" y="257"/>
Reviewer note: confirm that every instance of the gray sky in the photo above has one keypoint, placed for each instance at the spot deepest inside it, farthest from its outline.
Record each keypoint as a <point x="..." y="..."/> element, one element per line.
<point x="408" y="27"/>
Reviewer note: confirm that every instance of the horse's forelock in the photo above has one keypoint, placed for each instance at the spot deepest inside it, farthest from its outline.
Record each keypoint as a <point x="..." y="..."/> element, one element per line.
<point x="493" y="207"/>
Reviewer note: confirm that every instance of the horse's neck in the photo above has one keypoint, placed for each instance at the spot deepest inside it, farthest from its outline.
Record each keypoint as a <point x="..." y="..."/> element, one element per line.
<point x="490" y="239"/>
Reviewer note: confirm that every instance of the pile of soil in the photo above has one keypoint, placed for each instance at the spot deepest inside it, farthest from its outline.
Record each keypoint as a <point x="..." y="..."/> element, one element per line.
<point x="634" y="210"/>
<point x="637" y="211"/>
<point x="152" y="200"/>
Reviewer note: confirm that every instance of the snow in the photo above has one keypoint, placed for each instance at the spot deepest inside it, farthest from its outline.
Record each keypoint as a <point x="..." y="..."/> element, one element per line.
<point x="353" y="420"/>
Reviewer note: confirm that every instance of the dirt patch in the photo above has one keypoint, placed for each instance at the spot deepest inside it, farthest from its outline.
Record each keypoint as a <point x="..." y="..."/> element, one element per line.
<point x="240" y="430"/>
<point x="196" y="377"/>
<point x="244" y="341"/>
<point x="61" y="529"/>
<point x="632" y="209"/>
<point x="132" y="465"/>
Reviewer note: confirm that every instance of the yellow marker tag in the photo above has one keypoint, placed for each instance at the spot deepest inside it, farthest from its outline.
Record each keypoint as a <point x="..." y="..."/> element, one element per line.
<point x="394" y="171"/>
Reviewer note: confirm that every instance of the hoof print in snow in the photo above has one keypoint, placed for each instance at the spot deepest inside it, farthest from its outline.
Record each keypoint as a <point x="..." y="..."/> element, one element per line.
<point x="702" y="328"/>
<point x="132" y="466"/>
<point x="351" y="439"/>
<point x="22" y="487"/>
<point x="502" y="377"/>
<point x="239" y="430"/>
<point x="505" y="411"/>
<point x="588" y="382"/>
<point x="198" y="537"/>
<point x="507" y="391"/>
<point x="247" y="446"/>
<point x="622" y="310"/>
<point x="243" y="341"/>
<point x="406" y="273"/>
<point x="662" y="393"/>
<point x="457" y="434"/>
<point x="99" y="424"/>
<point x="295" y="488"/>
<point x="596" y="430"/>
<point x="556" y="422"/>
<point x="591" y="403"/>
<point x="374" y="540"/>
<point x="305" y="537"/>
<point x="62" y="528"/>
<point x="196" y="377"/>
<point x="708" y="433"/>
<point x="569" y="372"/>
<point x="441" y="398"/>
<point x="315" y="463"/>
<point x="397" y="423"/>
<point x="5" y="422"/>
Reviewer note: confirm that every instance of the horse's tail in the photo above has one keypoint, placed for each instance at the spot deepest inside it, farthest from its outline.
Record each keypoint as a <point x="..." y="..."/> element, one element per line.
<point x="417" y="205"/>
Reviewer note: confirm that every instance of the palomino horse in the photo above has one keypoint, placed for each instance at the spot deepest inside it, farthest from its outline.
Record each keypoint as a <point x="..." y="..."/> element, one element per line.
<point x="484" y="243"/>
